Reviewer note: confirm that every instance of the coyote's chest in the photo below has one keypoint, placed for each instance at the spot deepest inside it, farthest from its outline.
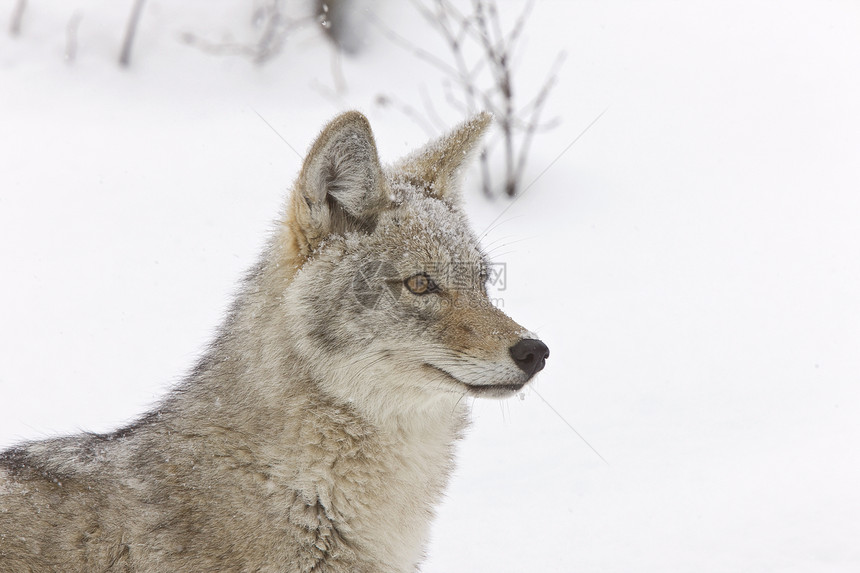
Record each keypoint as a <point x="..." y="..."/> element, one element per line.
<point x="375" y="491"/>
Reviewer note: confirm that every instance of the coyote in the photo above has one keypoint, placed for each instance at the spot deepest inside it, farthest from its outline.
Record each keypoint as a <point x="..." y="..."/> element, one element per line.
<point x="316" y="433"/>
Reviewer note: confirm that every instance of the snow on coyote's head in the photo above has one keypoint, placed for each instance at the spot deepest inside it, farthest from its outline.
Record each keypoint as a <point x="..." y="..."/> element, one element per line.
<point x="385" y="278"/>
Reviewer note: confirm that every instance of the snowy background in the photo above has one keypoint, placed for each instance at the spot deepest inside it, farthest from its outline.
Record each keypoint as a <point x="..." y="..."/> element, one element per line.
<point x="693" y="261"/>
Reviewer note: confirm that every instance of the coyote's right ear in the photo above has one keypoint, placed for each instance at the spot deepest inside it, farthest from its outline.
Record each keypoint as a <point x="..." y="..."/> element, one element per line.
<point x="340" y="186"/>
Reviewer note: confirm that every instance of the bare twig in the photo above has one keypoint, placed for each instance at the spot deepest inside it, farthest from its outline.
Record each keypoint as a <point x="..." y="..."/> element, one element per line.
<point x="530" y="108"/>
<point x="130" y="31"/>
<point x="399" y="40"/>
<point x="17" y="17"/>
<point x="519" y="26"/>
<point x="71" y="51"/>
<point x="219" y="48"/>
<point x="485" y="81"/>
<point x="275" y="27"/>
<point x="337" y="72"/>
<point x="533" y="123"/>
<point x="272" y="38"/>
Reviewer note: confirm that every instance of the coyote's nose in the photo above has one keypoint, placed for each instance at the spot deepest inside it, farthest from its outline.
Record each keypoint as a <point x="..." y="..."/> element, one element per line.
<point x="530" y="355"/>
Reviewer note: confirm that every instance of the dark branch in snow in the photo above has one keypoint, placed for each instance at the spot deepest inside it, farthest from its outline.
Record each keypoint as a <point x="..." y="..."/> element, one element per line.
<point x="484" y="81"/>
<point x="130" y="31"/>
<point x="274" y="27"/>
<point x="71" y="51"/>
<point x="422" y="54"/>
<point x="270" y="18"/>
<point x="337" y="73"/>
<point x="17" y="17"/>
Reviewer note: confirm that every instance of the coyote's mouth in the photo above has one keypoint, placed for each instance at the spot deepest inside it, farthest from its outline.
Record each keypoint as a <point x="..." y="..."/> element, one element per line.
<point x="481" y="389"/>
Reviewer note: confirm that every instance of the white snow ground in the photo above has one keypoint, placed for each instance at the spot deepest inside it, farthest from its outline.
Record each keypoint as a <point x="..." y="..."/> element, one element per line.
<point x="693" y="262"/>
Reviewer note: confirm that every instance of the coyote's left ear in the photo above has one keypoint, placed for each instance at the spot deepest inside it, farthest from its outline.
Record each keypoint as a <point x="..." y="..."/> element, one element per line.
<point x="340" y="186"/>
<point x="436" y="167"/>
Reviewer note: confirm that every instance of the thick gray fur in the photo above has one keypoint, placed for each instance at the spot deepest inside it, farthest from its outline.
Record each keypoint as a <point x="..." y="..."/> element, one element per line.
<point x="317" y="432"/>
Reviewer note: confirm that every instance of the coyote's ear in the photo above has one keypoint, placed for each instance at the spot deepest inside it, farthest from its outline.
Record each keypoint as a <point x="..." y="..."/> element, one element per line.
<point x="340" y="186"/>
<point x="437" y="166"/>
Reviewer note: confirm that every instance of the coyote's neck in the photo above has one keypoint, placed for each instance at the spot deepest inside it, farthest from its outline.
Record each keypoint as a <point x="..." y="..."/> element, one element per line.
<point x="375" y="481"/>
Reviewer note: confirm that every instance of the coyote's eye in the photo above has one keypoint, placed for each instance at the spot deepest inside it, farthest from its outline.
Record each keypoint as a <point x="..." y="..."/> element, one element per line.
<point x="421" y="284"/>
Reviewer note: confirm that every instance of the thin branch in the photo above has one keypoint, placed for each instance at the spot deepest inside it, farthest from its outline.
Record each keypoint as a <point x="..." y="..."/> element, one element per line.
<point x="396" y="38"/>
<point x="486" y="177"/>
<point x="549" y="83"/>
<point x="276" y="27"/>
<point x="534" y="119"/>
<point x="486" y="81"/>
<point x="130" y="31"/>
<point x="271" y="40"/>
<point x="337" y="72"/>
<point x="219" y="48"/>
<point x="71" y="52"/>
<point x="519" y="26"/>
<point x="17" y="17"/>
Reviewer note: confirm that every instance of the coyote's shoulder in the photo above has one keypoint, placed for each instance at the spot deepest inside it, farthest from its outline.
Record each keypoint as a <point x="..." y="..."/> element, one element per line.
<point x="316" y="433"/>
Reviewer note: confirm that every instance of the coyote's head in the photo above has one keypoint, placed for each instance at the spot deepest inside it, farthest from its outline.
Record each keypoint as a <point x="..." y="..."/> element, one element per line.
<point x="385" y="283"/>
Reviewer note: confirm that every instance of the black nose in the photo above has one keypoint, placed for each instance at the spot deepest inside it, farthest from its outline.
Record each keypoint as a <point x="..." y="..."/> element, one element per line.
<point x="530" y="355"/>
